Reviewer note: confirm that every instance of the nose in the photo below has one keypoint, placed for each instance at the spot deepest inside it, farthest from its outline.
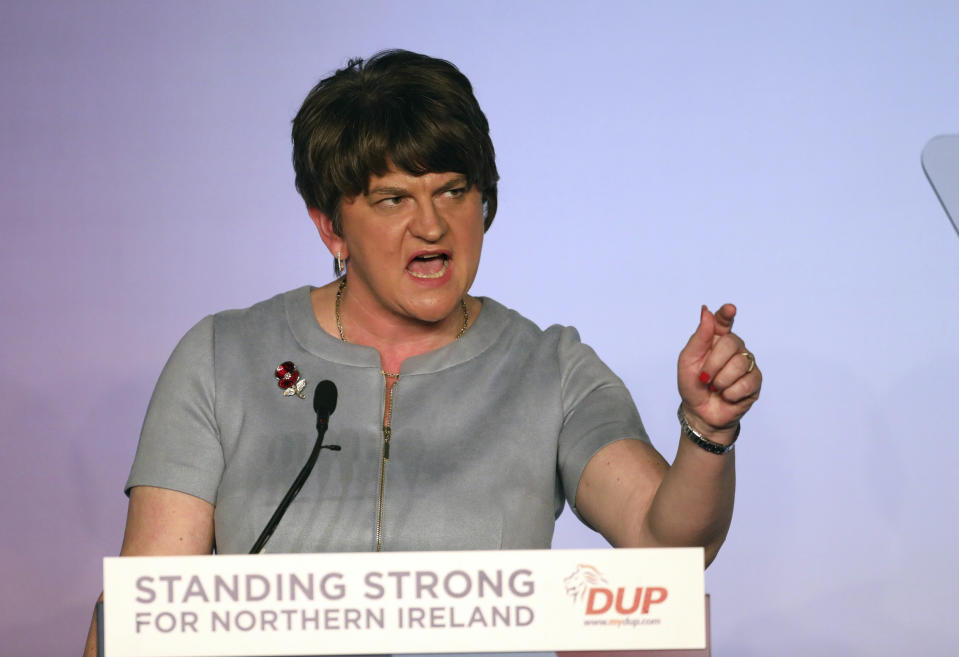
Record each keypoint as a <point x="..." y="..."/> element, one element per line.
<point x="428" y="223"/>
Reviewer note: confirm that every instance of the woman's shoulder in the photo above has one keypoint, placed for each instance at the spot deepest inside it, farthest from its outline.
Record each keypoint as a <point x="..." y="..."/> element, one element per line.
<point x="523" y="338"/>
<point x="267" y="310"/>
<point x="269" y="317"/>
<point x="517" y="324"/>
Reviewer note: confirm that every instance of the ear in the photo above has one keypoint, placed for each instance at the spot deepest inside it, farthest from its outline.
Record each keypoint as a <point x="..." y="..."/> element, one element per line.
<point x="335" y="243"/>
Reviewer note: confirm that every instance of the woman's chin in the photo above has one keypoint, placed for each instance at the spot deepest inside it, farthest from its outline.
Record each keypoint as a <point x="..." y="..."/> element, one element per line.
<point x="437" y="310"/>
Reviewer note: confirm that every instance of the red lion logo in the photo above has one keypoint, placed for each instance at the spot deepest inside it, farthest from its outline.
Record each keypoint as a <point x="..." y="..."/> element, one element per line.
<point x="583" y="577"/>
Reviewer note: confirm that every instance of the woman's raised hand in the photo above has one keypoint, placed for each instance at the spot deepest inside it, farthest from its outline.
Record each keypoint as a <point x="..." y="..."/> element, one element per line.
<point x="718" y="377"/>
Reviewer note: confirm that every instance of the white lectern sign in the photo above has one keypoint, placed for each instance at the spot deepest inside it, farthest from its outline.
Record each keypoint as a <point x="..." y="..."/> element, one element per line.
<point x="400" y="602"/>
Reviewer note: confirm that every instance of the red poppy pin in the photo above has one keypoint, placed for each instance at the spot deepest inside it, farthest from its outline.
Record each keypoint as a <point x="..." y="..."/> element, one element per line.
<point x="289" y="379"/>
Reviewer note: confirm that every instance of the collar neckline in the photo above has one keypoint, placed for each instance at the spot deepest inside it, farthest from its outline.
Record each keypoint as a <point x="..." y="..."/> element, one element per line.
<point x="480" y="336"/>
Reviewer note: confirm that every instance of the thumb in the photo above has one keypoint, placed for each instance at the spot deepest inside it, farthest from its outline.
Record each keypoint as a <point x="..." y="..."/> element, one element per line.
<point x="701" y="341"/>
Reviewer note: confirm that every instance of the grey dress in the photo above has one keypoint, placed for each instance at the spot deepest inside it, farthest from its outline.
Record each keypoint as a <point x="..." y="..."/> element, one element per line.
<point x="489" y="434"/>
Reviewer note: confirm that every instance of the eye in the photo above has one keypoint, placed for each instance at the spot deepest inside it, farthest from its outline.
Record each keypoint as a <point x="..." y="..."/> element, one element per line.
<point x="457" y="192"/>
<point x="390" y="201"/>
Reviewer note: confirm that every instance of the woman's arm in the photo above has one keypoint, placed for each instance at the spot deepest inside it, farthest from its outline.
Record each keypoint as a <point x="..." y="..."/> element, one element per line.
<point x="167" y="522"/>
<point x="633" y="498"/>
<point x="162" y="522"/>
<point x="628" y="492"/>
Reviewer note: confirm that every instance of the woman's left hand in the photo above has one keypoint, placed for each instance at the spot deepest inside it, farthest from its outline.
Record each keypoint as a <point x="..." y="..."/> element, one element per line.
<point x="718" y="376"/>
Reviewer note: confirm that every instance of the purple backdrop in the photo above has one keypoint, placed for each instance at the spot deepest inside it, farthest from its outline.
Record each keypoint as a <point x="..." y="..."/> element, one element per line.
<point x="652" y="159"/>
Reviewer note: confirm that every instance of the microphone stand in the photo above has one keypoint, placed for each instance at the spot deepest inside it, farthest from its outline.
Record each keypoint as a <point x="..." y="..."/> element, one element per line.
<point x="322" y="424"/>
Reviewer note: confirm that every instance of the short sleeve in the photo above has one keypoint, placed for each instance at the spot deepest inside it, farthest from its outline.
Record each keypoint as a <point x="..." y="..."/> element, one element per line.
<point x="179" y="445"/>
<point x="597" y="410"/>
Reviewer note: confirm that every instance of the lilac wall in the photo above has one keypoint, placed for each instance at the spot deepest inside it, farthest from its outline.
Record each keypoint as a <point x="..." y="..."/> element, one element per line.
<point x="652" y="159"/>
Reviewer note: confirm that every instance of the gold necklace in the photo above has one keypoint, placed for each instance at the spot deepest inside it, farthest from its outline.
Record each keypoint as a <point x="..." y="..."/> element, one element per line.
<point x="339" y="321"/>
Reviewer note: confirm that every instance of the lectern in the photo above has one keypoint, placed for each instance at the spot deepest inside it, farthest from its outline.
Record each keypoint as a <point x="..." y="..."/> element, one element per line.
<point x="638" y="600"/>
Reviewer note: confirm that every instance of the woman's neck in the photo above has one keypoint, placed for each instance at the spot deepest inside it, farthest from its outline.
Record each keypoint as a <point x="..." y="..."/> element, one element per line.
<point x="394" y="337"/>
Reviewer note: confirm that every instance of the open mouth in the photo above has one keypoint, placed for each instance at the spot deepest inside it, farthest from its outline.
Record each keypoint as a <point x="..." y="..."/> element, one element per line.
<point x="429" y="265"/>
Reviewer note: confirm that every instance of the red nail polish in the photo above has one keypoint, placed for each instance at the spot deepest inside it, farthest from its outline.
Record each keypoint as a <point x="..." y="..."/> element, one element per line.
<point x="704" y="377"/>
<point x="713" y="388"/>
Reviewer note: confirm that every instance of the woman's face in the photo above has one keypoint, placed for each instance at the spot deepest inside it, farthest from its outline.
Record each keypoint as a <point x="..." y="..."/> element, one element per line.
<point x="413" y="244"/>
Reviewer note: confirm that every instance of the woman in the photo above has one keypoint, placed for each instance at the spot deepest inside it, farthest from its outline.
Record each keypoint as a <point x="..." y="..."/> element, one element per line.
<point x="462" y="425"/>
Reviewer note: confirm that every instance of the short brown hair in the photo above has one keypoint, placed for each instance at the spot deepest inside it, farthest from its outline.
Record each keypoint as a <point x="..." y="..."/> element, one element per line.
<point x="398" y="107"/>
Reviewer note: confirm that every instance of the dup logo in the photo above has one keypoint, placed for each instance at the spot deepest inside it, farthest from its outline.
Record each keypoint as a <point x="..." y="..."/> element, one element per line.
<point x="587" y="584"/>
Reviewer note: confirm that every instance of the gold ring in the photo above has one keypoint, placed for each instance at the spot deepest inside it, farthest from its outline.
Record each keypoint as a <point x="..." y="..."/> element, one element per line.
<point x="752" y="361"/>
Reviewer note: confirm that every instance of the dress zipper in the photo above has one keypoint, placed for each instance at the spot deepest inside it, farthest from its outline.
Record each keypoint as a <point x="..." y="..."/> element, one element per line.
<point x="387" y="432"/>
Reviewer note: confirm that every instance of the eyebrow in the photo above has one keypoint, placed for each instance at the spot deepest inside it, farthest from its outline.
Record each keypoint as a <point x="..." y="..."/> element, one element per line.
<point x="388" y="190"/>
<point x="453" y="183"/>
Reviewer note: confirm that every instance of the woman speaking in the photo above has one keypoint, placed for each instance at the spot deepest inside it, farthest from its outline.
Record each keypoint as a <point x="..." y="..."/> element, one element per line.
<point x="460" y="424"/>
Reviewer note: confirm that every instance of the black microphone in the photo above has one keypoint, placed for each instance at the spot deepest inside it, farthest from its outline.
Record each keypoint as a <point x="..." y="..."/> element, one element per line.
<point x="324" y="403"/>
<point x="324" y="400"/>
